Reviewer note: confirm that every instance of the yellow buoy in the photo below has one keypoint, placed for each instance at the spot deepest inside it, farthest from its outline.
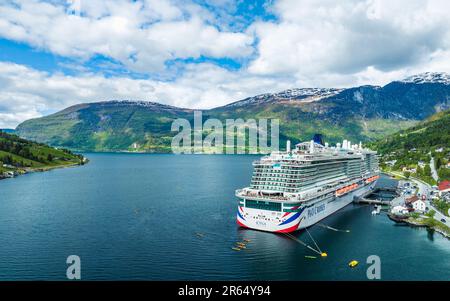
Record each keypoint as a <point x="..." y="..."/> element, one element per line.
<point x="353" y="263"/>
<point x="323" y="254"/>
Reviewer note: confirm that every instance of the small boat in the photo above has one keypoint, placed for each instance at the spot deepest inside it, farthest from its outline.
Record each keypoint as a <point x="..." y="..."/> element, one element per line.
<point x="353" y="263"/>
<point x="236" y="249"/>
<point x="247" y="240"/>
<point x="310" y="257"/>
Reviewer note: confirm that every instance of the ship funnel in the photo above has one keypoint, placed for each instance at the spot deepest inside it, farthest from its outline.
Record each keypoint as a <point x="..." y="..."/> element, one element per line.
<point x="344" y="144"/>
<point x="288" y="146"/>
<point x="338" y="145"/>
<point x="349" y="144"/>
<point x="326" y="144"/>
<point x="311" y="146"/>
<point x="360" y="145"/>
<point x="318" y="138"/>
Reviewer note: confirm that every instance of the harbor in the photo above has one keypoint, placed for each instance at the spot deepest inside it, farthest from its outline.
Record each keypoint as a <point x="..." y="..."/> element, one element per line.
<point x="411" y="202"/>
<point x="202" y="230"/>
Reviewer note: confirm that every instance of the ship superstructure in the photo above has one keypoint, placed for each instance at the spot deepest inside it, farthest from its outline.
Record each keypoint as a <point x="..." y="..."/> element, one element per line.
<point x="297" y="188"/>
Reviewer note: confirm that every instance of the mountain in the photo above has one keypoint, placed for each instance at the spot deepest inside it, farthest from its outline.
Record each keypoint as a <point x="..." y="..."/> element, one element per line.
<point x="20" y="155"/>
<point x="107" y="126"/>
<point x="361" y="113"/>
<point x="428" y="139"/>
<point x="432" y="133"/>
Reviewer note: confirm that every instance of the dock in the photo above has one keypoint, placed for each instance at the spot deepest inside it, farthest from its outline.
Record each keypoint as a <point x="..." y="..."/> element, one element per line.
<point x="364" y="200"/>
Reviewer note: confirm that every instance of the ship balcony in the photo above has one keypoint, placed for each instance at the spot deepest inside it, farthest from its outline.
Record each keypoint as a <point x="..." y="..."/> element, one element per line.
<point x="241" y="193"/>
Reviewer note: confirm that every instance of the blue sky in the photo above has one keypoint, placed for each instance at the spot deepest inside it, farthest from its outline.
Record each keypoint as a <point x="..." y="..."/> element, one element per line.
<point x="239" y="17"/>
<point x="207" y="53"/>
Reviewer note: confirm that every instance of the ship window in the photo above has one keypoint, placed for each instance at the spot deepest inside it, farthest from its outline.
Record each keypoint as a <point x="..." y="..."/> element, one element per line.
<point x="263" y="205"/>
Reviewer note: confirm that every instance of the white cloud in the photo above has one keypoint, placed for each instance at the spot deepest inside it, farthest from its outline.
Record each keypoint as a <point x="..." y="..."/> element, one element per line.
<point x="346" y="37"/>
<point x="27" y="93"/>
<point x="312" y="43"/>
<point x="142" y="35"/>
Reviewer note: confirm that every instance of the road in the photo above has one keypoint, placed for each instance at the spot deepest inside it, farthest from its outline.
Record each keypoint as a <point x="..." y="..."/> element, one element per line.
<point x="434" y="173"/>
<point x="425" y="189"/>
<point x="439" y="216"/>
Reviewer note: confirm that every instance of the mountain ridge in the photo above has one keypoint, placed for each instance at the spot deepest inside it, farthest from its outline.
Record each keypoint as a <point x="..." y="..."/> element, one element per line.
<point x="358" y="113"/>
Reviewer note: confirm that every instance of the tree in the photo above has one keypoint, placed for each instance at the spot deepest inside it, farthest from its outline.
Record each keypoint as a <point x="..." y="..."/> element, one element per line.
<point x="438" y="162"/>
<point x="407" y="174"/>
<point x="431" y="213"/>
<point x="427" y="170"/>
<point x="419" y="171"/>
<point x="50" y="158"/>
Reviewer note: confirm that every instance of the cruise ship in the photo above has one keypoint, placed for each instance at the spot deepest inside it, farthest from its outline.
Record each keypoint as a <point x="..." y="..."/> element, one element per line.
<point x="297" y="188"/>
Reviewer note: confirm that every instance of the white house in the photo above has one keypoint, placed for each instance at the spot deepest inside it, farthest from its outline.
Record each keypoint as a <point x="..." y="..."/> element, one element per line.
<point x="399" y="210"/>
<point x="419" y="205"/>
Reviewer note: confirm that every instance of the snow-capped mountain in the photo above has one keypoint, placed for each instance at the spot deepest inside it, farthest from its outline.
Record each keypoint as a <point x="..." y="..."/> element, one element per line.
<point x="429" y="77"/>
<point x="358" y="113"/>
<point x="298" y="94"/>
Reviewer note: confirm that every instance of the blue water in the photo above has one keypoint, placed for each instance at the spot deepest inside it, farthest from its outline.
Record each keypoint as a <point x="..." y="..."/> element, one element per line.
<point x="134" y="217"/>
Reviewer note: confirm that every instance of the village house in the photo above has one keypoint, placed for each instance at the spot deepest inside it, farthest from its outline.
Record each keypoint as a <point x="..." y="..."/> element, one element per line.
<point x="409" y="201"/>
<point x="399" y="210"/>
<point x="412" y="170"/>
<point x="391" y="163"/>
<point x="419" y="205"/>
<point x="444" y="187"/>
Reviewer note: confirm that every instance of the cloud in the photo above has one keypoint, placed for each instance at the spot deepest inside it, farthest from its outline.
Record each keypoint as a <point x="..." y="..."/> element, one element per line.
<point x="346" y="37"/>
<point x="27" y="93"/>
<point x="180" y="49"/>
<point x="142" y="35"/>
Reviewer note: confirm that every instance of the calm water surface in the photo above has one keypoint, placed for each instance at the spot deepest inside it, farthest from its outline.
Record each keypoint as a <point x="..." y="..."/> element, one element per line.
<point x="132" y="216"/>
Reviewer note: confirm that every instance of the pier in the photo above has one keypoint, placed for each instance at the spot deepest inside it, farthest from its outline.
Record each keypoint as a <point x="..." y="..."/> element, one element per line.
<point x="377" y="191"/>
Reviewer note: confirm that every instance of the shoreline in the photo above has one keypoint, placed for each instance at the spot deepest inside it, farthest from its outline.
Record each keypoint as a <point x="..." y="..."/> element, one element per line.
<point x="28" y="170"/>
<point x="414" y="223"/>
<point x="417" y="224"/>
<point x="409" y="220"/>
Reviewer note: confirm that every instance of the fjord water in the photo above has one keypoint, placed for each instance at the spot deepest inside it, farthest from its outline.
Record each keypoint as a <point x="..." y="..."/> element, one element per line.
<point x="136" y="216"/>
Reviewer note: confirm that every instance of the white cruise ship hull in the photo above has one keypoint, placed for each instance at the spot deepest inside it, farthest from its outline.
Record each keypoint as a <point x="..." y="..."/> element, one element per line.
<point x="305" y="215"/>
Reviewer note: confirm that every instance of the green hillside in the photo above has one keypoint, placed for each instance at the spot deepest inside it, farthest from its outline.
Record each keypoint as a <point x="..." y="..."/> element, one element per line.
<point x="363" y="113"/>
<point x="20" y="155"/>
<point x="132" y="126"/>
<point x="426" y="140"/>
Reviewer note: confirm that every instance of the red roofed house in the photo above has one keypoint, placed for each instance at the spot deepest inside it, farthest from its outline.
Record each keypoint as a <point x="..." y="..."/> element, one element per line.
<point x="411" y="200"/>
<point x="444" y="187"/>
